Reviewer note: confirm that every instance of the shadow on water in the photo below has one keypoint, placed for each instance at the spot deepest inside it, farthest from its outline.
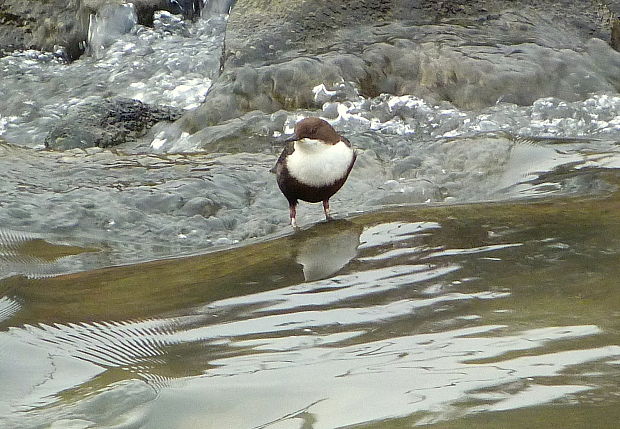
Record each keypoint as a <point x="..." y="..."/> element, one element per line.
<point x="481" y="315"/>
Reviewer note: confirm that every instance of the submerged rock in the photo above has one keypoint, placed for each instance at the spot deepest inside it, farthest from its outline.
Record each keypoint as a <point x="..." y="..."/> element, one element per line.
<point x="109" y="23"/>
<point x="102" y="123"/>
<point x="472" y="54"/>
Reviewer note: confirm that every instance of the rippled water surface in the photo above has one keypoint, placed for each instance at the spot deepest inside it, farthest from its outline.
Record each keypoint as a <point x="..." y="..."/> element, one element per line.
<point x="501" y="315"/>
<point x="172" y="193"/>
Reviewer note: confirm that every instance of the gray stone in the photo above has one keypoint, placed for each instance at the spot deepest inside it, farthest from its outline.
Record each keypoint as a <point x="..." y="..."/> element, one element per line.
<point x="614" y="9"/>
<point x="103" y="123"/>
<point x="472" y="54"/>
<point x="199" y="206"/>
<point x="53" y="25"/>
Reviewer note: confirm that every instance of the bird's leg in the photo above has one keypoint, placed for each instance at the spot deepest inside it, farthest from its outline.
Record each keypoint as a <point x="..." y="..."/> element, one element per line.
<point x="326" y="210"/>
<point x="293" y="212"/>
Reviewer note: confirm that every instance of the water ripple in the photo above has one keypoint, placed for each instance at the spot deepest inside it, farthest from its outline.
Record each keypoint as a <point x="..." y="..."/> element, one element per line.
<point x="8" y="307"/>
<point x="414" y="321"/>
<point x="133" y="345"/>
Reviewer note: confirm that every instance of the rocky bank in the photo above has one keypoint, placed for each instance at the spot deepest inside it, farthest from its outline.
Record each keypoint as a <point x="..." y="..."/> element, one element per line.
<point x="277" y="53"/>
<point x="473" y="54"/>
<point x="52" y="25"/>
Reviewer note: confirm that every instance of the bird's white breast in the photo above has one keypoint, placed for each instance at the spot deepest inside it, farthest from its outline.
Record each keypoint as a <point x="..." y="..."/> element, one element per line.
<point x="315" y="163"/>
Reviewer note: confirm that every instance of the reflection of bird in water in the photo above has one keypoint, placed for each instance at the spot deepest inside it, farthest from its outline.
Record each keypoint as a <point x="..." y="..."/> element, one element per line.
<point x="326" y="248"/>
<point x="314" y="164"/>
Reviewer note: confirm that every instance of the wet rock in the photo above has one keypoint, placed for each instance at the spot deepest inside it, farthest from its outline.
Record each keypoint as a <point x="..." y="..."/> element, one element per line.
<point x="252" y="132"/>
<point x="43" y="25"/>
<point x="145" y="205"/>
<point x="49" y="25"/>
<point x="109" y="23"/>
<point x="199" y="206"/>
<point x="190" y="9"/>
<point x="472" y="54"/>
<point x="614" y="10"/>
<point x="103" y="123"/>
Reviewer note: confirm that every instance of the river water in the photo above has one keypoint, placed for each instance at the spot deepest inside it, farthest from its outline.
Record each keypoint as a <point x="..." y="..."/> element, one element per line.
<point x="470" y="281"/>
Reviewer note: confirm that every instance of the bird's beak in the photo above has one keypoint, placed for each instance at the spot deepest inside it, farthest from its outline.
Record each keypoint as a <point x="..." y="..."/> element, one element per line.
<point x="283" y="140"/>
<point x="292" y="138"/>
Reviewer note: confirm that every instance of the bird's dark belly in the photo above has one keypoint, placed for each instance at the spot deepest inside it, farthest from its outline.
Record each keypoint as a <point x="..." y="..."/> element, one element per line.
<point x="294" y="190"/>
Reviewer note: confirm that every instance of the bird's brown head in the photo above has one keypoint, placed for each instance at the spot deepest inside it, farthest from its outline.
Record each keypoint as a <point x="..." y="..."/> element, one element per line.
<point x="315" y="129"/>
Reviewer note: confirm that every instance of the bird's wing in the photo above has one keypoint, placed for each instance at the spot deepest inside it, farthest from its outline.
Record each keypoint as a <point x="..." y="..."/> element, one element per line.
<point x="288" y="150"/>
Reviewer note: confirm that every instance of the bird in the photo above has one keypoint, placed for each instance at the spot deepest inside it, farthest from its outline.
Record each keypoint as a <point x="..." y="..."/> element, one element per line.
<point x="313" y="165"/>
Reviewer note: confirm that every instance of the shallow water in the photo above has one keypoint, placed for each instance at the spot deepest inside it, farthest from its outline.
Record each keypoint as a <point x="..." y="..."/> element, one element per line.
<point x="172" y="193"/>
<point x="470" y="281"/>
<point x="172" y="64"/>
<point x="444" y="316"/>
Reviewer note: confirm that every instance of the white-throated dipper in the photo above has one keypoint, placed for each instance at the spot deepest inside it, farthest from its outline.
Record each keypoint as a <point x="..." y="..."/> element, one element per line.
<point x="314" y="164"/>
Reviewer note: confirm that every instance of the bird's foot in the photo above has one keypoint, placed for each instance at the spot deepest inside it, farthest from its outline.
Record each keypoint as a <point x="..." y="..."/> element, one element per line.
<point x="328" y="216"/>
<point x="293" y="215"/>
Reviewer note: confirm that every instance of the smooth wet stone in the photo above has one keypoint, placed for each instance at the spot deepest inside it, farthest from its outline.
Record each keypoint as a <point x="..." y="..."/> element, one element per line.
<point x="59" y="25"/>
<point x="277" y="53"/>
<point x="450" y="304"/>
<point x="199" y="206"/>
<point x="102" y="123"/>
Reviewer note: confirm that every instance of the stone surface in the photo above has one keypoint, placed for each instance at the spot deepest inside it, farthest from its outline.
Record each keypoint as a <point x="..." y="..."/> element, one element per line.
<point x="614" y="9"/>
<point x="41" y="25"/>
<point x="50" y="24"/>
<point x="103" y="123"/>
<point x="472" y="54"/>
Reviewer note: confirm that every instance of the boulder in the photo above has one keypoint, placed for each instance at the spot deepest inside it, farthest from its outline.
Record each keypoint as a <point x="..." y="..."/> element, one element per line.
<point x="472" y="54"/>
<point x="62" y="25"/>
<point x="614" y="10"/>
<point x="103" y="123"/>
<point x="43" y="25"/>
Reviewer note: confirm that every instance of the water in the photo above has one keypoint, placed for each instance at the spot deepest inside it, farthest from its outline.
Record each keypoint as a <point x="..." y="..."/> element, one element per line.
<point x="471" y="281"/>
<point x="172" y="63"/>
<point x="173" y="193"/>
<point x="424" y="316"/>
